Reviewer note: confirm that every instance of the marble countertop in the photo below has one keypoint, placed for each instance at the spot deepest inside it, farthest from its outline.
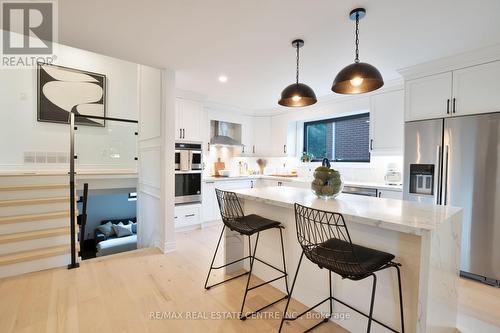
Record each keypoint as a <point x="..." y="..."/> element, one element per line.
<point x="403" y="216"/>
<point x="377" y="185"/>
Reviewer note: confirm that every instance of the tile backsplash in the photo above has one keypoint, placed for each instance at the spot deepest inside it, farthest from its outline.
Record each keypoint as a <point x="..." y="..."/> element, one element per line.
<point x="361" y="172"/>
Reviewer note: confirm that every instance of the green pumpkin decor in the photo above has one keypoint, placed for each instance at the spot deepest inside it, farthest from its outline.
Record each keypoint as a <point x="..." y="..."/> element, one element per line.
<point x="327" y="183"/>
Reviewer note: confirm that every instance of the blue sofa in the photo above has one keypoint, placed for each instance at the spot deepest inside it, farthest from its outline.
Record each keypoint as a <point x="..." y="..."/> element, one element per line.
<point x="111" y="245"/>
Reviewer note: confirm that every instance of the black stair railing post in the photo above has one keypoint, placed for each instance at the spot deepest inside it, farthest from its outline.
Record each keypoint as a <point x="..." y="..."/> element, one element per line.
<point x="72" y="208"/>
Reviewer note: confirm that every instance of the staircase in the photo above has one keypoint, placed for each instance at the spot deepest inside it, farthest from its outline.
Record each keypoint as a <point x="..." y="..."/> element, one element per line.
<point x="34" y="223"/>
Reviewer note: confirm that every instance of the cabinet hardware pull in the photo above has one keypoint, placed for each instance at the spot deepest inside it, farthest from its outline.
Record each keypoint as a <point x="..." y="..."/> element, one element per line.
<point x="243" y="149"/>
<point x="454" y="105"/>
<point x="284" y="149"/>
<point x="208" y="146"/>
<point x="371" y="144"/>
<point x="379" y="194"/>
<point x="189" y="215"/>
<point x="180" y="133"/>
<point x="448" y="106"/>
<point x="253" y="149"/>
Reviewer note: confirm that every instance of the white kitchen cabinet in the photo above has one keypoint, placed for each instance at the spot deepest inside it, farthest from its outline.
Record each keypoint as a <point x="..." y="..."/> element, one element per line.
<point x="272" y="182"/>
<point x="189" y="119"/>
<point x="210" y="211"/>
<point x="283" y="137"/>
<point x="387" y="122"/>
<point x="391" y="194"/>
<point x="187" y="215"/>
<point x="247" y="136"/>
<point x="428" y="97"/>
<point x="262" y="137"/>
<point x="476" y="89"/>
<point x="210" y="206"/>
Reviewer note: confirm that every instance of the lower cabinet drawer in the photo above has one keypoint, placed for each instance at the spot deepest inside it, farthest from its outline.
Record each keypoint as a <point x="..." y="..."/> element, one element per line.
<point x="186" y="215"/>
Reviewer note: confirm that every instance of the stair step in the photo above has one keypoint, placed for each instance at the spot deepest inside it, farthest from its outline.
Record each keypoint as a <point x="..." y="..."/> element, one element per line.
<point x="29" y="202"/>
<point x="33" y="187"/>
<point x="33" y="191"/>
<point x="13" y="258"/>
<point x="33" y="206"/>
<point x="29" y="235"/>
<point x="34" y="217"/>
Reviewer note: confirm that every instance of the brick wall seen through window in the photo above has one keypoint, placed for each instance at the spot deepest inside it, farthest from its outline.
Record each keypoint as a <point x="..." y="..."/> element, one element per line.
<point x="344" y="139"/>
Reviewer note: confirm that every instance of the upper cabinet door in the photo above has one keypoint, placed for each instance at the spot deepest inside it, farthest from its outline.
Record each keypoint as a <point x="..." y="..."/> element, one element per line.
<point x="178" y="118"/>
<point x="476" y="89"/>
<point x="387" y="122"/>
<point x="283" y="134"/>
<point x="428" y="97"/>
<point x="189" y="119"/>
<point x="262" y="136"/>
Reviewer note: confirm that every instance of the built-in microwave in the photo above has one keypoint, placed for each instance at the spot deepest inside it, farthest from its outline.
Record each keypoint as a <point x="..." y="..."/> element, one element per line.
<point x="188" y="156"/>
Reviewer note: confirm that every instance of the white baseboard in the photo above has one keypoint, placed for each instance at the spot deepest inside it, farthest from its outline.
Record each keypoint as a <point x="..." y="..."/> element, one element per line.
<point x="169" y="247"/>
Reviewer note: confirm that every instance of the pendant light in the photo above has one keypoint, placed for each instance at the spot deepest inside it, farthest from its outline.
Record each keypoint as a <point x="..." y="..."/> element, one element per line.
<point x="297" y="94"/>
<point x="358" y="77"/>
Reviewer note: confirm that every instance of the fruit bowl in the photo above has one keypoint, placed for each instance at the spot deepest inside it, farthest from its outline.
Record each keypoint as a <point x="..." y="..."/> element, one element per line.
<point x="327" y="183"/>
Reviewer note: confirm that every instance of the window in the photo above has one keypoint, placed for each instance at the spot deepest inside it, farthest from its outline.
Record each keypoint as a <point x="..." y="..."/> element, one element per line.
<point x="344" y="139"/>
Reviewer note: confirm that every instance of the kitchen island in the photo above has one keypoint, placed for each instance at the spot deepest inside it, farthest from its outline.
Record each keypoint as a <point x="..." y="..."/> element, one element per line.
<point x="424" y="238"/>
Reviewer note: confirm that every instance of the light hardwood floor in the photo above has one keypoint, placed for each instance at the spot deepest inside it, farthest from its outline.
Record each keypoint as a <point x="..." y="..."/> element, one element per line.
<point x="118" y="294"/>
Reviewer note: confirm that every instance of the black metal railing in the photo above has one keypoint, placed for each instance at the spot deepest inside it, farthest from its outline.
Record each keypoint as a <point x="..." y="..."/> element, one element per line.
<point x="73" y="117"/>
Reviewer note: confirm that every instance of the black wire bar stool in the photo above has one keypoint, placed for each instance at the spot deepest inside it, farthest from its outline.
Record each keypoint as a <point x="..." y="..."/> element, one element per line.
<point x="325" y="241"/>
<point x="234" y="219"/>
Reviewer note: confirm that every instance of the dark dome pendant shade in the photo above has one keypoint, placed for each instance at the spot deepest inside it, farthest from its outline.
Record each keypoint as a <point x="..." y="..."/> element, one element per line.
<point x="297" y="94"/>
<point x="359" y="77"/>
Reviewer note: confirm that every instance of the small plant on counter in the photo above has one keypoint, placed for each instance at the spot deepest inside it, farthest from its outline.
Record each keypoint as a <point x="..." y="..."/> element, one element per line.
<point x="306" y="157"/>
<point x="327" y="183"/>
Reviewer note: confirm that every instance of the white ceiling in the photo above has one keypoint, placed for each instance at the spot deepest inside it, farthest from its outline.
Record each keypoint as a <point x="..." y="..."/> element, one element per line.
<point x="249" y="41"/>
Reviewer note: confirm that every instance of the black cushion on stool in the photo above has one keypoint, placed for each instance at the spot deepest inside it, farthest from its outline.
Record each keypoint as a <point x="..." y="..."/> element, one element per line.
<point x="250" y="224"/>
<point x="336" y="255"/>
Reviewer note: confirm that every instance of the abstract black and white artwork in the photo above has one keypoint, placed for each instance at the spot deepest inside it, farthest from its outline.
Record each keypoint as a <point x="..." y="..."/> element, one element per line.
<point x="62" y="89"/>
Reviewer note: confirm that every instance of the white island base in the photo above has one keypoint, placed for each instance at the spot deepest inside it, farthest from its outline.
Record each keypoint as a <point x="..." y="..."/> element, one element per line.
<point x="424" y="238"/>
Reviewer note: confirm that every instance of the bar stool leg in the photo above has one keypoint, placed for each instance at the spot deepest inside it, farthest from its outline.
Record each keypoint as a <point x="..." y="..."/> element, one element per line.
<point x="284" y="264"/>
<point x="291" y="291"/>
<point x="252" y="259"/>
<point x="213" y="259"/>
<point x="331" y="295"/>
<point x="370" y="316"/>
<point x="400" y="299"/>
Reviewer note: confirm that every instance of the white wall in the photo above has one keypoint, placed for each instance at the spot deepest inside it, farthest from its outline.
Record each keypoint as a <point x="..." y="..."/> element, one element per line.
<point x="156" y="158"/>
<point x="21" y="132"/>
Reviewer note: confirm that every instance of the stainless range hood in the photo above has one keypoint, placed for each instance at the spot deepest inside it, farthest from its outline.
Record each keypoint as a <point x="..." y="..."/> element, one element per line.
<point x="223" y="133"/>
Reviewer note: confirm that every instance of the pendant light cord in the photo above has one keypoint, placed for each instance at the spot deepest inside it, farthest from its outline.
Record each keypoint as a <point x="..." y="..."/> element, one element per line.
<point x="356" y="59"/>
<point x="297" y="75"/>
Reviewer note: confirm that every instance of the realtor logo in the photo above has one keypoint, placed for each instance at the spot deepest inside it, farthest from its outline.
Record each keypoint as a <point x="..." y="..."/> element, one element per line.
<point x="28" y="29"/>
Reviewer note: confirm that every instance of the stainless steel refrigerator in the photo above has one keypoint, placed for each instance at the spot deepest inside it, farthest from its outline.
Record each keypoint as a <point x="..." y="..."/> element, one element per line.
<point x="456" y="161"/>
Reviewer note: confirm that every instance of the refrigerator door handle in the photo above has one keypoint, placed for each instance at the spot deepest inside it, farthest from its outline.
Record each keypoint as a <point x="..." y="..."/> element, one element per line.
<point x="445" y="173"/>
<point x="439" y="185"/>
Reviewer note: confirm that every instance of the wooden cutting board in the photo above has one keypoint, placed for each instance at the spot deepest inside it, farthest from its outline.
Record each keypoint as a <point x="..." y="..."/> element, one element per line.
<point x="218" y="166"/>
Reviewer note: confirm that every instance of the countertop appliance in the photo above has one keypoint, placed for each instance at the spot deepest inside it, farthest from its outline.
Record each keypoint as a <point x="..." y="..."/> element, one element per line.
<point x="188" y="170"/>
<point x="392" y="175"/>
<point x="456" y="161"/>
